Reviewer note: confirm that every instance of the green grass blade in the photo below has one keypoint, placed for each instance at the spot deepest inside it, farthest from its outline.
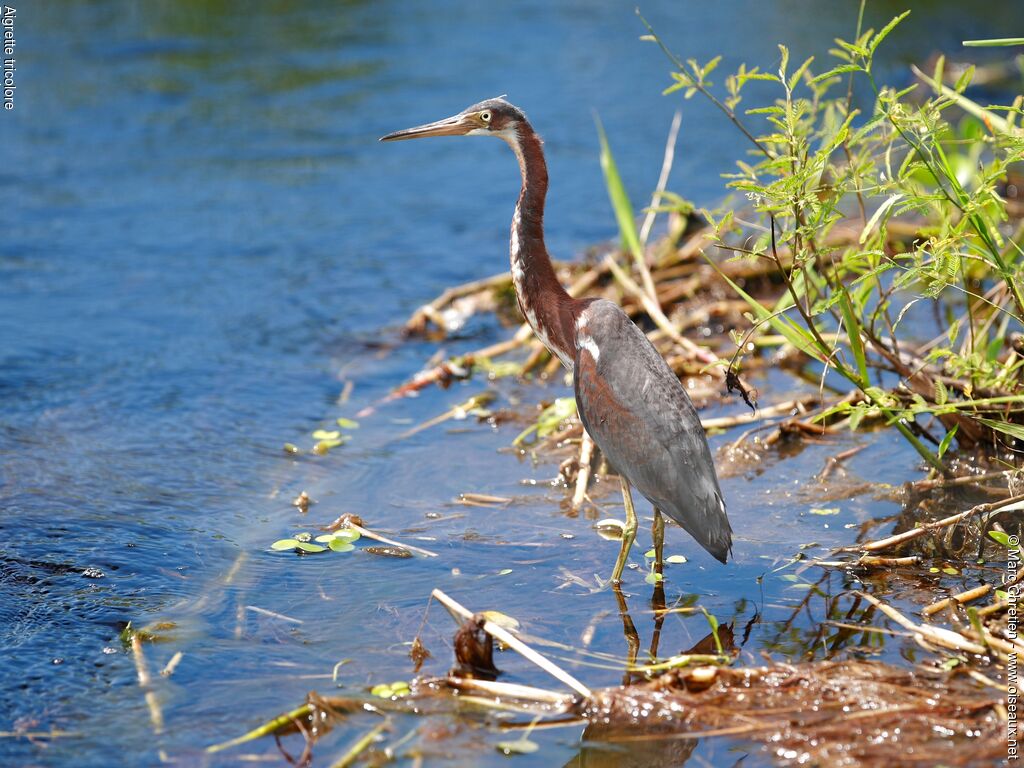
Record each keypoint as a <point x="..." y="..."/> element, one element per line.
<point x="998" y="124"/>
<point x="852" y="323"/>
<point x="618" y="197"/>
<point x="795" y="335"/>
<point x="1013" y="430"/>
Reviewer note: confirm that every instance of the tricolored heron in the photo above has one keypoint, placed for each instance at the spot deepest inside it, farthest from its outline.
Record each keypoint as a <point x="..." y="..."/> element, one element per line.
<point x="629" y="401"/>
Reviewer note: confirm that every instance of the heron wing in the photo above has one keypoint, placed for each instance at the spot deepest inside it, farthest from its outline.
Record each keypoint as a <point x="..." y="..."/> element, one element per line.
<point x="640" y="416"/>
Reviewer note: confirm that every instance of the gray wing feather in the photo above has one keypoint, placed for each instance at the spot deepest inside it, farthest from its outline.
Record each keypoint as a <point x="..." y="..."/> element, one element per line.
<point x="640" y="416"/>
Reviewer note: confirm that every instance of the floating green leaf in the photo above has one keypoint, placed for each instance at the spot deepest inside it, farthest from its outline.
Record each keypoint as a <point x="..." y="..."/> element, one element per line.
<point x="312" y="549"/>
<point x="517" y="747"/>
<point x="824" y="510"/>
<point x="501" y="620"/>
<point x="610" y="529"/>
<point x="391" y="690"/>
<point x="326" y="434"/>
<point x="499" y="369"/>
<point x="347" y="423"/>
<point x="340" y="545"/>
<point x="282" y="544"/>
<point x="549" y="419"/>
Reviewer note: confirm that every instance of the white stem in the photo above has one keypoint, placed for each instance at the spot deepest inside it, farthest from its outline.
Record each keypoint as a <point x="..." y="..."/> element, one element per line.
<point x="514" y="643"/>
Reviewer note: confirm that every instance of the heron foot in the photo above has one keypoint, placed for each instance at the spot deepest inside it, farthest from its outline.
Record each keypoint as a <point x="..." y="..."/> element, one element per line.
<point x="628" y="533"/>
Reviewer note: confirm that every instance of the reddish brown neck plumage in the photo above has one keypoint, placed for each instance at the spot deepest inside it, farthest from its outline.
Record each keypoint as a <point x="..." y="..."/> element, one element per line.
<point x="543" y="301"/>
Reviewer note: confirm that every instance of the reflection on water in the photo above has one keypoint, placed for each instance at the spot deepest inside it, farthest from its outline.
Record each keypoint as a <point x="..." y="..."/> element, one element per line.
<point x="201" y="244"/>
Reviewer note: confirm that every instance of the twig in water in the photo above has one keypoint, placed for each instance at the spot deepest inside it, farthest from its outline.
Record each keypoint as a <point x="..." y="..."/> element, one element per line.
<point x="272" y="614"/>
<point x="172" y="665"/>
<point x="509" y="690"/>
<point x="876" y="560"/>
<point x="583" y="473"/>
<point x="156" y="715"/>
<point x="1014" y="502"/>
<point x="923" y="632"/>
<point x="482" y="500"/>
<point x="384" y="540"/>
<point x="834" y="461"/>
<point x="460" y="411"/>
<point x="960" y="599"/>
<point x="514" y="643"/>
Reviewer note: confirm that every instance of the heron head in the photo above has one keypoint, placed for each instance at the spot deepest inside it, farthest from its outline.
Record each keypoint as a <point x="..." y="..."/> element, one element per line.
<point x="494" y="117"/>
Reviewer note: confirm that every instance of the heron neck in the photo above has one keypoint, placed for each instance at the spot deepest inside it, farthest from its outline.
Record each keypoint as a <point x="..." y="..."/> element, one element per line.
<point x="542" y="299"/>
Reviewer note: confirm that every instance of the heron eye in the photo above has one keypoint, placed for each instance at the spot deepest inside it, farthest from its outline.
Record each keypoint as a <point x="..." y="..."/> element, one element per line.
<point x="485" y="116"/>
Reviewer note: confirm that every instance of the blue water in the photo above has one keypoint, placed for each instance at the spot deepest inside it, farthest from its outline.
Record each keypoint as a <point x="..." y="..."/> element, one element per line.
<point x="202" y="242"/>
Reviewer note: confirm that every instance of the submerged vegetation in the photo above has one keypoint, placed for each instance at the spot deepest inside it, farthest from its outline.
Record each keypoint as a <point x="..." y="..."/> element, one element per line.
<point x="874" y="249"/>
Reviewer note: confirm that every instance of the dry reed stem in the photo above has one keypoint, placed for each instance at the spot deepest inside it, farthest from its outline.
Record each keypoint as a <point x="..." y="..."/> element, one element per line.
<point x="959" y="599"/>
<point x="513" y="642"/>
<point x="940" y="636"/>
<point x="1013" y="502"/>
<point x="432" y="309"/>
<point x="510" y="691"/>
<point x="172" y="665"/>
<point x="658" y="316"/>
<point x="666" y="169"/>
<point x="876" y="560"/>
<point x="156" y="715"/>
<point x="784" y="408"/>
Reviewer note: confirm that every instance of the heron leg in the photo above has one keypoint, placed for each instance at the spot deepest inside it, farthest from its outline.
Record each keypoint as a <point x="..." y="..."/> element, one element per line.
<point x="658" y="538"/>
<point x="628" y="533"/>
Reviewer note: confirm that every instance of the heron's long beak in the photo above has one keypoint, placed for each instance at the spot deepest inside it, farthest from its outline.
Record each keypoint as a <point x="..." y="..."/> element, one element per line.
<point x="456" y="125"/>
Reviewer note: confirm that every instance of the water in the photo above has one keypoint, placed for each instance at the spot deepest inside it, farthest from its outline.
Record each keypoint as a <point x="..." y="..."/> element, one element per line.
<point x="203" y="242"/>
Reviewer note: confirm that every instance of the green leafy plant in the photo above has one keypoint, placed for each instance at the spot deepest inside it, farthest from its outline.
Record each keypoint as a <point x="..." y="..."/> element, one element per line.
<point x="865" y="211"/>
<point x="549" y="419"/>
